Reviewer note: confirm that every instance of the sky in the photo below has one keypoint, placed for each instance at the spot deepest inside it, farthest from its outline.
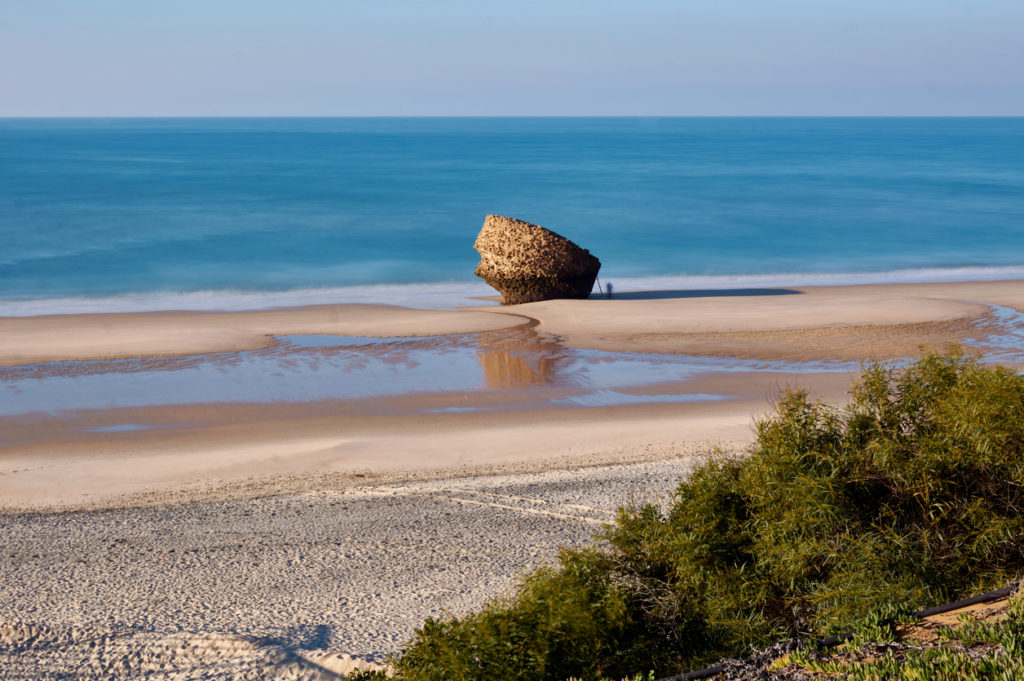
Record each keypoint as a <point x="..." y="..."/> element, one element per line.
<point x="521" y="58"/>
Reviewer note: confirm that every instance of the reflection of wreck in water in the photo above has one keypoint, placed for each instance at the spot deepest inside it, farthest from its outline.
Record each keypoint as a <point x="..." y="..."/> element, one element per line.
<point x="520" y="359"/>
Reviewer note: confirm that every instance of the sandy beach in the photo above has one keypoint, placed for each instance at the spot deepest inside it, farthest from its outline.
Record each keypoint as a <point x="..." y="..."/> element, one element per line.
<point x="66" y="455"/>
<point x="289" y="586"/>
<point x="278" y="536"/>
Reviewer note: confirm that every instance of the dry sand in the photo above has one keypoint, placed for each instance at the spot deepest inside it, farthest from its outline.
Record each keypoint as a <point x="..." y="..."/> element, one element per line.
<point x="269" y="541"/>
<point x="300" y="586"/>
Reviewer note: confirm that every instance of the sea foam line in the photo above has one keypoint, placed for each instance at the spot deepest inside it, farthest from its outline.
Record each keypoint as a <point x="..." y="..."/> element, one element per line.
<point x="424" y="296"/>
<point x="450" y="295"/>
<point x="737" y="281"/>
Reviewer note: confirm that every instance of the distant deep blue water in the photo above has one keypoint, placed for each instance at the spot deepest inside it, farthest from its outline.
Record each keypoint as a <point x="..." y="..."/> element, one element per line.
<point x="232" y="213"/>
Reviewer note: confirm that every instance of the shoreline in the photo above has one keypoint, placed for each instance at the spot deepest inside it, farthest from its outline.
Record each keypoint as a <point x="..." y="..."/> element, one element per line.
<point x="105" y="456"/>
<point x="451" y="295"/>
<point x="748" y="321"/>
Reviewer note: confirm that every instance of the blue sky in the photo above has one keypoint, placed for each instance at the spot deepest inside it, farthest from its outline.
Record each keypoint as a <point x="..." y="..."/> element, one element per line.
<point x="558" y="57"/>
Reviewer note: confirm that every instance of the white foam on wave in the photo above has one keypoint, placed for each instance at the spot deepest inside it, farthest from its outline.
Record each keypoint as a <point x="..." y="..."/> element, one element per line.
<point x="424" y="296"/>
<point x="739" y="281"/>
<point x="466" y="294"/>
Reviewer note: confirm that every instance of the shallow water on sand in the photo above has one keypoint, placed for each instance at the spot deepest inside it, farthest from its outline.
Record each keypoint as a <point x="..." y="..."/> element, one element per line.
<point x="518" y="364"/>
<point x="514" y="368"/>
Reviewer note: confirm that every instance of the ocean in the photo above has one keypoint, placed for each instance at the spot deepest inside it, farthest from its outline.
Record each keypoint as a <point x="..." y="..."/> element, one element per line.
<point x="235" y="213"/>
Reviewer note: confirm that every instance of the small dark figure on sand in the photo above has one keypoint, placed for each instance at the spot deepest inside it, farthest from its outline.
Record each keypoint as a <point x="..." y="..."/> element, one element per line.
<point x="608" y="289"/>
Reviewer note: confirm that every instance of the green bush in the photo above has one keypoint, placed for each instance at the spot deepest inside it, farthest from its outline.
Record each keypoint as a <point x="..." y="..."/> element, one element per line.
<point x="571" y="618"/>
<point x="913" y="494"/>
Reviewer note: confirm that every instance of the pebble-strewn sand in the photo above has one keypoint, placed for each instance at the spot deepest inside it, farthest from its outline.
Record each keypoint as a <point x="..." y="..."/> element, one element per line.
<point x="285" y="587"/>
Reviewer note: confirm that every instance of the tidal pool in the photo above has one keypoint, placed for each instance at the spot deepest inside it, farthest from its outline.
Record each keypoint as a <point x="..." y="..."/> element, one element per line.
<point x="519" y="364"/>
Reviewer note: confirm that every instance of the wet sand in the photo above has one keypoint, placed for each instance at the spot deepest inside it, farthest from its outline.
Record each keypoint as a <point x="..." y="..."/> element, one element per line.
<point x="763" y="323"/>
<point x="232" y="451"/>
<point x="532" y="397"/>
<point x="270" y="537"/>
<point x="870" y="322"/>
<point x="27" y="340"/>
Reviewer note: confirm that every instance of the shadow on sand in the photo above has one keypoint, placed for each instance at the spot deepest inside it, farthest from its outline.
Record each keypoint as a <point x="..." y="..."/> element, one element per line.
<point x="711" y="293"/>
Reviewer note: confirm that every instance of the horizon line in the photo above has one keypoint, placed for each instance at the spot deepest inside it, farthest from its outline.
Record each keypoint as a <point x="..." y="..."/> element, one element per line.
<point x="495" y="116"/>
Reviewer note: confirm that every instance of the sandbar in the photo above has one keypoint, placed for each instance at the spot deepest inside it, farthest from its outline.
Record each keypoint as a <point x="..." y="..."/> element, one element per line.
<point x="866" y="322"/>
<point x="841" y="322"/>
<point x="50" y="338"/>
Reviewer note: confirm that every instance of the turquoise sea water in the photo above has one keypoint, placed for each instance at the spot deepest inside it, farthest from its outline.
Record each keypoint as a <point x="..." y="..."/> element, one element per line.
<point x="234" y="213"/>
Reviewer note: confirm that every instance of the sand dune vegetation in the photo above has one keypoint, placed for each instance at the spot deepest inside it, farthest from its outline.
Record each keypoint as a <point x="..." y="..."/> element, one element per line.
<point x="912" y="495"/>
